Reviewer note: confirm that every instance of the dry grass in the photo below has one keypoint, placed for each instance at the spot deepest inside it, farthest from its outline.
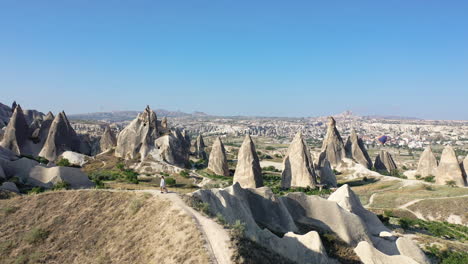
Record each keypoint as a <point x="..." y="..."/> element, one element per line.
<point x="97" y="227"/>
<point x="441" y="209"/>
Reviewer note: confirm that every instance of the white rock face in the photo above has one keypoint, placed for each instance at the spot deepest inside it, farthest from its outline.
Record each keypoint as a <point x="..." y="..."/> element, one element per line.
<point x="327" y="177"/>
<point x="346" y="198"/>
<point x="48" y="177"/>
<point x="355" y="150"/>
<point x="408" y="248"/>
<point x="17" y="133"/>
<point x="384" y="162"/>
<point x="75" y="158"/>
<point x="170" y="149"/>
<point x="449" y="168"/>
<point x="427" y="163"/>
<point x="248" y="171"/>
<point x="333" y="148"/>
<point x="218" y="161"/>
<point x="108" y="140"/>
<point x="298" y="166"/>
<point x="370" y="255"/>
<point x="18" y="168"/>
<point x="61" y="137"/>
<point x="137" y="139"/>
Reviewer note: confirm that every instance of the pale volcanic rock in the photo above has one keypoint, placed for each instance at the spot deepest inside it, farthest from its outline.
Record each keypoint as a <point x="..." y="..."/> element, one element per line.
<point x="218" y="161"/>
<point x="333" y="148"/>
<point x="370" y="255"/>
<point x="298" y="166"/>
<point x="465" y="168"/>
<point x="384" y="162"/>
<point x="248" y="171"/>
<point x="48" y="177"/>
<point x="171" y="149"/>
<point x="16" y="137"/>
<point x="137" y="139"/>
<point x="61" y="137"/>
<point x="200" y="148"/>
<point x="427" y="165"/>
<point x="355" y="150"/>
<point x="327" y="177"/>
<point x="449" y="168"/>
<point x="410" y="249"/>
<point x="107" y="140"/>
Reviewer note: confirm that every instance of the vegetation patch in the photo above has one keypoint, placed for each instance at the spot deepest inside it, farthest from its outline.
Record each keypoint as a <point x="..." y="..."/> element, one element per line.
<point x="36" y="235"/>
<point x="438" y="229"/>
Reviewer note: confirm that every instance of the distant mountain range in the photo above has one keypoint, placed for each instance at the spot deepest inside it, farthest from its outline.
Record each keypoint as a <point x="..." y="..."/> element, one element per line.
<point x="119" y="116"/>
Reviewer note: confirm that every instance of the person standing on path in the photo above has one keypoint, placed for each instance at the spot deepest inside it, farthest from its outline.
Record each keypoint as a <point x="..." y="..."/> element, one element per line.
<point x="162" y="184"/>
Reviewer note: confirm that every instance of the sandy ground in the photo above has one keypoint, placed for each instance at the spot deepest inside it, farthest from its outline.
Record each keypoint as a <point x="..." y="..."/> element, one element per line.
<point x="96" y="226"/>
<point x="266" y="163"/>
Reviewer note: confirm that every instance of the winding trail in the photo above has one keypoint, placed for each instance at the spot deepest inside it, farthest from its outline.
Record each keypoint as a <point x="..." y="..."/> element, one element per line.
<point x="216" y="237"/>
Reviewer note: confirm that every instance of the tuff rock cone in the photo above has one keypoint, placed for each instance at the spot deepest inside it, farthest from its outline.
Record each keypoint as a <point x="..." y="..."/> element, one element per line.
<point x="427" y="163"/>
<point x="384" y="162"/>
<point x="355" y="150"/>
<point x="298" y="166"/>
<point x="333" y="148"/>
<point x="218" y="161"/>
<point x="464" y="167"/>
<point x="449" y="169"/>
<point x="200" y="148"/>
<point x="61" y="137"/>
<point x="248" y="171"/>
<point x="17" y="133"/>
<point x="327" y="177"/>
<point x="108" y="140"/>
<point x="137" y="139"/>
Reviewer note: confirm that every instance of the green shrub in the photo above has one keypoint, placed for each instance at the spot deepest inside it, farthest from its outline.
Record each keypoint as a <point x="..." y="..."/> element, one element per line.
<point x="270" y="168"/>
<point x="388" y="213"/>
<point x="446" y="256"/>
<point x="130" y="176"/>
<point x="36" y="235"/>
<point x="170" y="181"/>
<point x="429" y="178"/>
<point x="62" y="185"/>
<point x="417" y="176"/>
<point x="36" y="190"/>
<point x="220" y="218"/>
<point x="185" y="174"/>
<point x="120" y="166"/>
<point x="64" y="162"/>
<point x="238" y="229"/>
<point x="451" y="183"/>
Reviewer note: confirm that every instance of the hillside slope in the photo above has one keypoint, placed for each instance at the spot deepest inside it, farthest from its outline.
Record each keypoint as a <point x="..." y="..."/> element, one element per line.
<point x="98" y="227"/>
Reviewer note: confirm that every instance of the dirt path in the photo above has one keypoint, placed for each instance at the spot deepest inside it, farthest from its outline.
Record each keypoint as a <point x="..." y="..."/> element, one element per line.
<point x="408" y="204"/>
<point x="217" y="238"/>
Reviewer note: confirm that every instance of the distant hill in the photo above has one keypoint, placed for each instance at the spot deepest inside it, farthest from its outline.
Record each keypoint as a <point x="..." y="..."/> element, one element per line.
<point x="119" y="116"/>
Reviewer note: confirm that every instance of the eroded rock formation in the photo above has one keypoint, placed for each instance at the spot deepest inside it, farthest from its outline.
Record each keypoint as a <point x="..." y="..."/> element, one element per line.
<point x="449" y="168"/>
<point x="355" y="150"/>
<point x="218" y="161"/>
<point x="384" y="162"/>
<point x="333" y="148"/>
<point x="298" y="166"/>
<point x="427" y="165"/>
<point x="248" y="171"/>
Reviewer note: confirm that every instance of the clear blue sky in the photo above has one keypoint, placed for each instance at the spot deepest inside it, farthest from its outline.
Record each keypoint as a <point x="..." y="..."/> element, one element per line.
<point x="273" y="58"/>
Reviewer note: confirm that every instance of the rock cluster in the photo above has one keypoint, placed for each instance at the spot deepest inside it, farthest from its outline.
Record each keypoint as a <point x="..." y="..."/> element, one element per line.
<point x="355" y="150"/>
<point x="298" y="167"/>
<point x="218" y="160"/>
<point x="137" y="139"/>
<point x="61" y="138"/>
<point x="333" y="148"/>
<point x="384" y="162"/>
<point x="16" y="137"/>
<point x="427" y="165"/>
<point x="297" y="217"/>
<point x="449" y="168"/>
<point x="248" y="171"/>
